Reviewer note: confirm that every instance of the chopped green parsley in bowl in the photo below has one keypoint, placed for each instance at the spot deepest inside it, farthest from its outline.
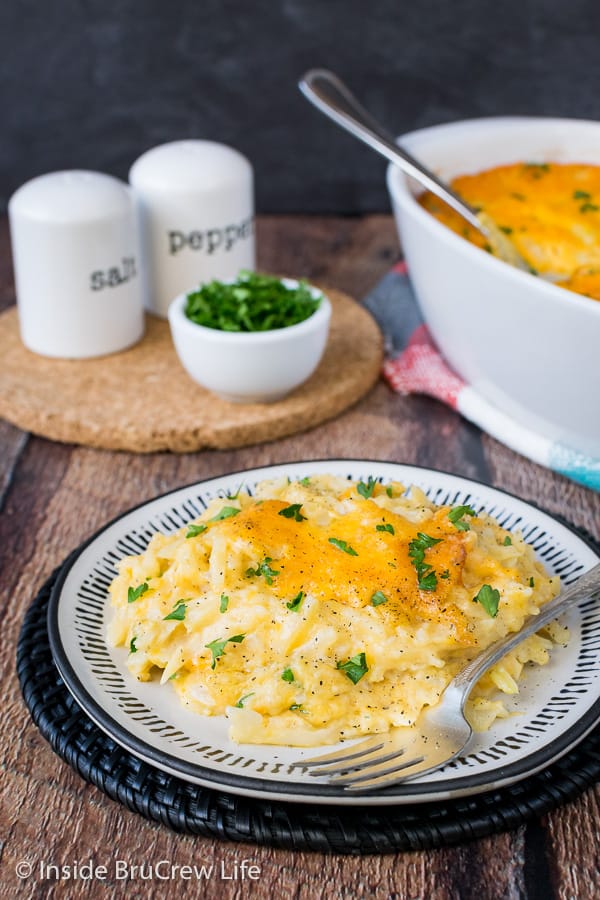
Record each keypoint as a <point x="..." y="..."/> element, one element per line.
<point x="253" y="302"/>
<point x="253" y="340"/>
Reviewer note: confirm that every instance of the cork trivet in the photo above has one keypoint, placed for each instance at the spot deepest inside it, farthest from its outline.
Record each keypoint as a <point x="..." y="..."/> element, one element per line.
<point x="142" y="399"/>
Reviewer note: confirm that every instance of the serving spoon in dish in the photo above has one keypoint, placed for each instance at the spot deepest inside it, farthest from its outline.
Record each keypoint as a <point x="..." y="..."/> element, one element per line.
<point x="331" y="96"/>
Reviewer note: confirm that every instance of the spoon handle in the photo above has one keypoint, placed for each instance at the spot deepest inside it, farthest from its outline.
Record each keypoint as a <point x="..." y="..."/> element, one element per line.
<point x="331" y="96"/>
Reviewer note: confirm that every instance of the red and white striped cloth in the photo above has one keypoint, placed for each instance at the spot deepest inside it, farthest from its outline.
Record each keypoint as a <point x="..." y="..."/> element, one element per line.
<point x="421" y="369"/>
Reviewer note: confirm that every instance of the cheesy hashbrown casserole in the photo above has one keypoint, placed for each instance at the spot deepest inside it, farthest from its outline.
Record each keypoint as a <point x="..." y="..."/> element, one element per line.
<point x="324" y="609"/>
<point x="551" y="211"/>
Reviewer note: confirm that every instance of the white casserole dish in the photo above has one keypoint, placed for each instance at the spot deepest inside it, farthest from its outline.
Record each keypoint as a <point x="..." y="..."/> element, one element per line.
<point x="529" y="347"/>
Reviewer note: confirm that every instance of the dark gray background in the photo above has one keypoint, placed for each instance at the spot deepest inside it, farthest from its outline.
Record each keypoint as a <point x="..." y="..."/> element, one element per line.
<point x="94" y="83"/>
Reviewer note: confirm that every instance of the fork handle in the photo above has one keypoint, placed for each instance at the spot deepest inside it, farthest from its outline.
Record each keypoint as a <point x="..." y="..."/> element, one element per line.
<point x="587" y="586"/>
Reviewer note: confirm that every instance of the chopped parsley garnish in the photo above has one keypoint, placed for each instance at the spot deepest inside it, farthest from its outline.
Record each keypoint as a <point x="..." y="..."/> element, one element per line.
<point x="355" y="667"/>
<point x="132" y="647"/>
<point x="378" y="598"/>
<point x="537" y="169"/>
<point x="389" y="491"/>
<point x="506" y="229"/>
<point x="251" y="303"/>
<point x="224" y="603"/>
<point x="508" y="541"/>
<point x="588" y="207"/>
<point x="226" y="513"/>
<point x="342" y="545"/>
<point x="581" y="195"/>
<point x="424" y="541"/>
<point x="263" y="568"/>
<point x="178" y="612"/>
<point x="445" y="574"/>
<point x="305" y="481"/>
<point x="366" y="490"/>
<point x="297" y="707"/>
<point x="217" y="648"/>
<point x="296" y="603"/>
<point x="416" y="551"/>
<point x="386" y="527"/>
<point x="489" y="598"/>
<point x="134" y="594"/>
<point x="292" y="512"/>
<point x="287" y="675"/>
<point x="195" y="530"/>
<point x="237" y="493"/>
<point x="428" y="582"/>
<point x="531" y="582"/>
<point x="242" y="700"/>
<point x="457" y="514"/>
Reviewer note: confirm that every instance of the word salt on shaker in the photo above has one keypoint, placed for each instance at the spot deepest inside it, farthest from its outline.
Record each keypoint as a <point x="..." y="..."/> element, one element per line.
<point x="196" y="205"/>
<point x="75" y="247"/>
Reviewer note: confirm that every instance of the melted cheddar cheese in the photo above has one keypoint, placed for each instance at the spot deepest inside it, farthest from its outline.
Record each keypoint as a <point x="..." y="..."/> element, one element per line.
<point x="314" y="611"/>
<point x="550" y="211"/>
<point x="309" y="562"/>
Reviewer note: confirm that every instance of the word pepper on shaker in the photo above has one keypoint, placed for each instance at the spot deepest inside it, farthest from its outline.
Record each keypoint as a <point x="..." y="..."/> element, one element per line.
<point x="196" y="205"/>
<point x="75" y="246"/>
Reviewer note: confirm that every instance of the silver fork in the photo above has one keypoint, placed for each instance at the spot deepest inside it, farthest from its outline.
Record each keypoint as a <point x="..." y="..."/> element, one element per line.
<point x="442" y="732"/>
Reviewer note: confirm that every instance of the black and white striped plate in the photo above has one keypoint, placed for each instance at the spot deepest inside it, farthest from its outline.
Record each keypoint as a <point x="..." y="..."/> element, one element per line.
<point x="557" y="705"/>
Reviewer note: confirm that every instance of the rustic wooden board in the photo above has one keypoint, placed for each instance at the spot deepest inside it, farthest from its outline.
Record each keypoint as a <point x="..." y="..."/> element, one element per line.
<point x="142" y="400"/>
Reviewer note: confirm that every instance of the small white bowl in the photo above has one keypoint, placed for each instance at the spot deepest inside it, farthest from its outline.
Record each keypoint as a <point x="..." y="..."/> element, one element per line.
<point x="251" y="367"/>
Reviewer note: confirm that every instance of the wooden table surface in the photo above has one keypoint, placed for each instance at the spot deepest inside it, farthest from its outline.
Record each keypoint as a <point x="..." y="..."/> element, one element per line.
<point x="54" y="496"/>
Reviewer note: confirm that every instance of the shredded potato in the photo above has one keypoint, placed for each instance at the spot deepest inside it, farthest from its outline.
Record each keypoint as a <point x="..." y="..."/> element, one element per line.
<point x="323" y="609"/>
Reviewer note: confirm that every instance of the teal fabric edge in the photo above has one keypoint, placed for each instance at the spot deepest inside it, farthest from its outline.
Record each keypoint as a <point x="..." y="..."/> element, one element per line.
<point x="575" y="465"/>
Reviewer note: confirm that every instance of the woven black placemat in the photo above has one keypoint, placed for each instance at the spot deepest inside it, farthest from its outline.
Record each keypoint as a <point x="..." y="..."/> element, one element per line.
<point x="191" y="809"/>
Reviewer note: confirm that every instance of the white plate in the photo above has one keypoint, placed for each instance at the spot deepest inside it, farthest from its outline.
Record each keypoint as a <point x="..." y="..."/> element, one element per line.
<point x="557" y="706"/>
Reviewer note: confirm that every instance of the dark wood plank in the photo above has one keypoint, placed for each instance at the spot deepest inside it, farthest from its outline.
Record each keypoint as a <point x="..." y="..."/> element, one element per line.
<point x="7" y="294"/>
<point x="12" y="442"/>
<point x="572" y="847"/>
<point x="57" y="495"/>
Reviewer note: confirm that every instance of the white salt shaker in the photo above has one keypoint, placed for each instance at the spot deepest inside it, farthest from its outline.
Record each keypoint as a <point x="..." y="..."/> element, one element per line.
<point x="75" y="249"/>
<point x="196" y="206"/>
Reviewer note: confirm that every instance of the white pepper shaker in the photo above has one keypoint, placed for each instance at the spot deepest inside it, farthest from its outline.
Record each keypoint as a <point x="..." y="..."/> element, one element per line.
<point x="75" y="247"/>
<point x="196" y="205"/>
